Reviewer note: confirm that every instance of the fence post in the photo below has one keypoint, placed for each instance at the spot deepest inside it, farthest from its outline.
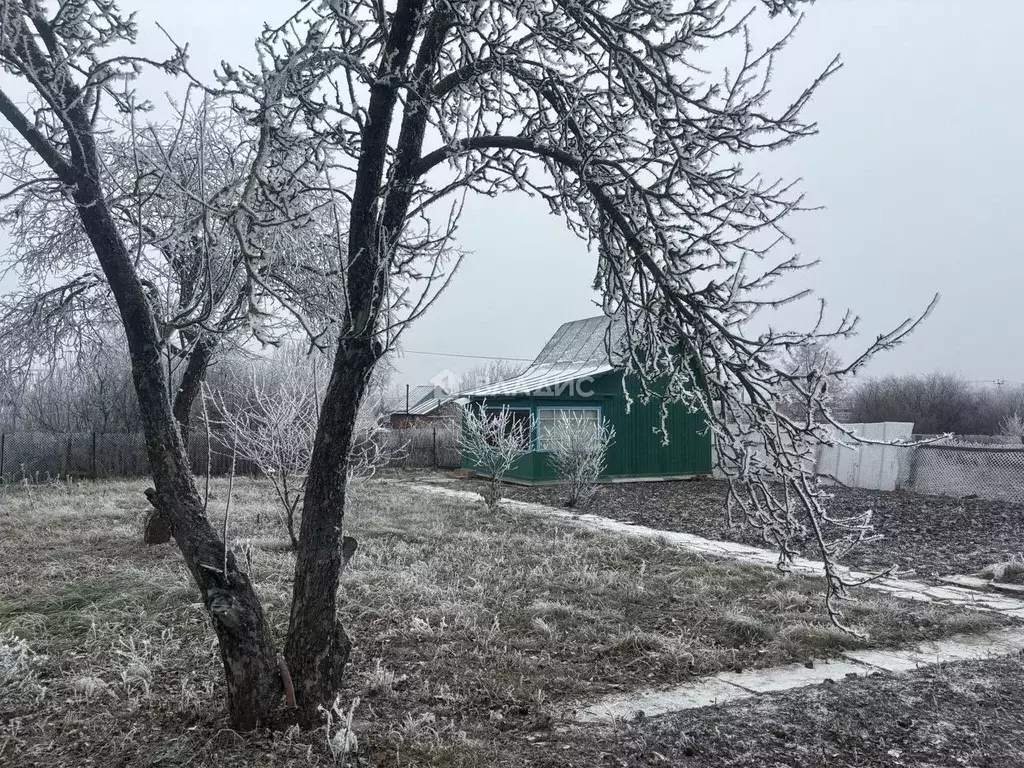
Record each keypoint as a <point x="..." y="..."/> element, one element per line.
<point x="3" y="440"/>
<point x="915" y="454"/>
<point x="94" y="477"/>
<point x="435" y="448"/>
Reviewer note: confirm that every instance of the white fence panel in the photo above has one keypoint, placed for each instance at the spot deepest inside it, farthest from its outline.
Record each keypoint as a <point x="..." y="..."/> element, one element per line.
<point x="860" y="466"/>
<point x="866" y="466"/>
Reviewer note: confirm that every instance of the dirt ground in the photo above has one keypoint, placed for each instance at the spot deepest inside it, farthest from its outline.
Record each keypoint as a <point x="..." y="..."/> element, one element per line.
<point x="963" y="714"/>
<point x="928" y="536"/>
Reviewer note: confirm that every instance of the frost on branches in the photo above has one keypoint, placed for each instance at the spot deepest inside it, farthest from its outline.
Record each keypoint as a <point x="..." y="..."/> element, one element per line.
<point x="577" y="449"/>
<point x="494" y="440"/>
<point x="607" y="112"/>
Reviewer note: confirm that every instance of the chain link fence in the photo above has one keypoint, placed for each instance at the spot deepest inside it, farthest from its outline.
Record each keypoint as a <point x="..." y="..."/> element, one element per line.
<point x="42" y="456"/>
<point x="958" y="469"/>
<point x="433" y="446"/>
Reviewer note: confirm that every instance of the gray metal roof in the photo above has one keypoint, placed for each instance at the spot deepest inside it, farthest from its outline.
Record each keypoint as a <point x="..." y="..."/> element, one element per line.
<point x="422" y="399"/>
<point x="578" y="350"/>
<point x="583" y="341"/>
<point x="429" y="405"/>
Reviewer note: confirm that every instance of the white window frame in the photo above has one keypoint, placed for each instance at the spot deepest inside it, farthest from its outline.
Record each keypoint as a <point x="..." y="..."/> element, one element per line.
<point x="597" y="423"/>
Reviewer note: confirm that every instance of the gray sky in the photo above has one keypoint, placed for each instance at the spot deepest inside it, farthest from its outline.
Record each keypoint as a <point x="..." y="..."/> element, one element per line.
<point x="916" y="164"/>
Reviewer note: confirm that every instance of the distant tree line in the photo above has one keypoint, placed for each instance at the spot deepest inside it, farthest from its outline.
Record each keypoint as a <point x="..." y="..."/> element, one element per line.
<point x="89" y="389"/>
<point x="938" y="403"/>
<point x="86" y="389"/>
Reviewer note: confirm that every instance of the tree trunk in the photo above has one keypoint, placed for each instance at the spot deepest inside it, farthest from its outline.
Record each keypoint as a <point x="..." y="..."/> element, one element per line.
<point x="318" y="646"/>
<point x="249" y="657"/>
<point x="191" y="384"/>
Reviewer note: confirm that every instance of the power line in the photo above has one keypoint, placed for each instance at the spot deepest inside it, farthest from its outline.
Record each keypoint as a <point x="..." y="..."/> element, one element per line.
<point x="474" y="357"/>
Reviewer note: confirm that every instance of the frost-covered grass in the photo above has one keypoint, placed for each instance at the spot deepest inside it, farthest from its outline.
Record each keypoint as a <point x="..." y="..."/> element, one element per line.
<point x="473" y="630"/>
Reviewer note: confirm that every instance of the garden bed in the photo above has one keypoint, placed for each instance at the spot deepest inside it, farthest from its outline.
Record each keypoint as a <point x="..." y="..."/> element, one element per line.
<point x="966" y="714"/>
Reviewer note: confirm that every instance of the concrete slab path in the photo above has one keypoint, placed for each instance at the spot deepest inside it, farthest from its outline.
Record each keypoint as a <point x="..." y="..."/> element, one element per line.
<point x="731" y="686"/>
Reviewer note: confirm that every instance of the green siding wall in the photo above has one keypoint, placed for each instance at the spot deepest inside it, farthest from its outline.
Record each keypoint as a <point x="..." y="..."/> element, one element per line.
<point x="638" y="451"/>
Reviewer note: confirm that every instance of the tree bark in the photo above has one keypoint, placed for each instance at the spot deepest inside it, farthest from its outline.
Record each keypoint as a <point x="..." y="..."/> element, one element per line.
<point x="158" y="530"/>
<point x="249" y="657"/>
<point x="191" y="384"/>
<point x="318" y="646"/>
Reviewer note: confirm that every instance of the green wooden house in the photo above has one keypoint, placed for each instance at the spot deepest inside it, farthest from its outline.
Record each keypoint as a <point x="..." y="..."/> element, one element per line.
<point x="575" y="376"/>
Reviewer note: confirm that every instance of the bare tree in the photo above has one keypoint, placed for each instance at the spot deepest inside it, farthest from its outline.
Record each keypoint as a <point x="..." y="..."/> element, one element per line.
<point x="76" y="82"/>
<point x="490" y="372"/>
<point x="158" y="179"/>
<point x="602" y="113"/>
<point x="578" y="448"/>
<point x="814" y="361"/>
<point x="393" y="117"/>
<point x="494" y="439"/>
<point x="936" y="403"/>
<point x="13" y="383"/>
<point x="172" y="190"/>
<point x="87" y="390"/>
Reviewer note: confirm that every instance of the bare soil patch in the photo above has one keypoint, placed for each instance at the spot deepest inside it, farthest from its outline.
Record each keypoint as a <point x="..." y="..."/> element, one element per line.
<point x="967" y="713"/>
<point x="931" y="536"/>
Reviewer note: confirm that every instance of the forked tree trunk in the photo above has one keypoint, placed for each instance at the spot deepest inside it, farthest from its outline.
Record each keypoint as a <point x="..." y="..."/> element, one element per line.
<point x="318" y="646"/>
<point x="249" y="657"/>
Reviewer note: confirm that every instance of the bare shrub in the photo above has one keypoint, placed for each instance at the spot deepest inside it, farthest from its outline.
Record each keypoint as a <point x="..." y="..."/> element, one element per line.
<point x="271" y="421"/>
<point x="1013" y="426"/>
<point x="494" y="440"/>
<point x="273" y="427"/>
<point x="579" y="448"/>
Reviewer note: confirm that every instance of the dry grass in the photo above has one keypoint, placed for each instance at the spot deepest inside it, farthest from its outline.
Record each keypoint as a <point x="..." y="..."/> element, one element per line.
<point x="473" y="631"/>
<point x="1010" y="572"/>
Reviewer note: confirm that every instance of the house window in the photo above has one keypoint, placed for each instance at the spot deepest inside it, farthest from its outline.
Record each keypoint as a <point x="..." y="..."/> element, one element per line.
<point x="517" y="422"/>
<point x="548" y="420"/>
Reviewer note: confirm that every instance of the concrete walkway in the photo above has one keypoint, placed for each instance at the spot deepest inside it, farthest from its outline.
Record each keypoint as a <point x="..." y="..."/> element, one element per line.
<point x="730" y="686"/>
<point x="901" y="588"/>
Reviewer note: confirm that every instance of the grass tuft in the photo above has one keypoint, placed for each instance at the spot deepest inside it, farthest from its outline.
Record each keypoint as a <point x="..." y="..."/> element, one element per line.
<point x="1010" y="572"/>
<point x="21" y="671"/>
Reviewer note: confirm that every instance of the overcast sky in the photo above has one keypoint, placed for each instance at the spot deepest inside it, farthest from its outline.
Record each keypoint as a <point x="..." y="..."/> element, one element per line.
<point x="917" y="165"/>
